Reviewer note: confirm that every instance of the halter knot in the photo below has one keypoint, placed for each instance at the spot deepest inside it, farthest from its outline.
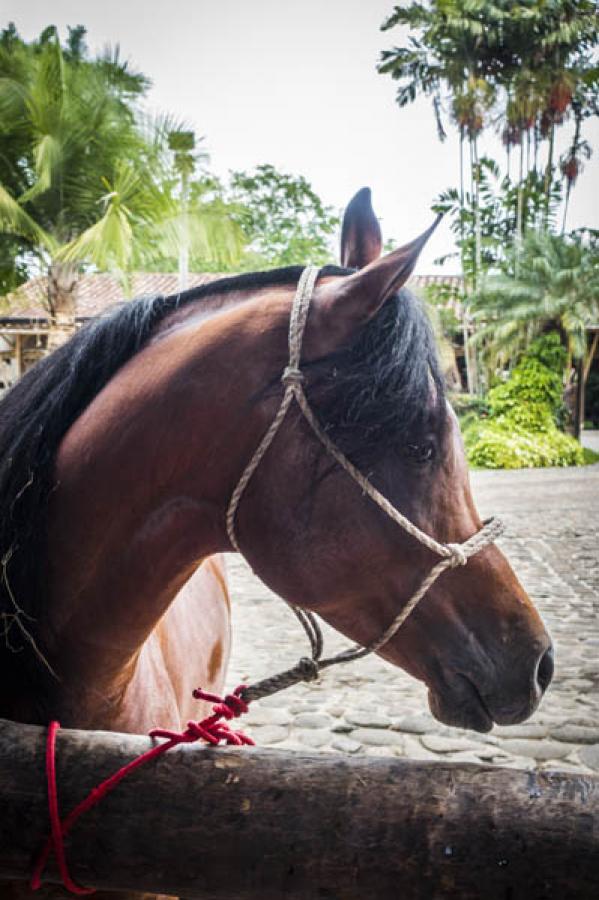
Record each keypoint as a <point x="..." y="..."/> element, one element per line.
<point x="457" y="555"/>
<point x="292" y="375"/>
<point x="309" y="668"/>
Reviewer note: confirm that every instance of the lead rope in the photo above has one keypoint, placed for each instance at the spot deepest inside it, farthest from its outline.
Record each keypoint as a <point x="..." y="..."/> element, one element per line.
<point x="212" y="730"/>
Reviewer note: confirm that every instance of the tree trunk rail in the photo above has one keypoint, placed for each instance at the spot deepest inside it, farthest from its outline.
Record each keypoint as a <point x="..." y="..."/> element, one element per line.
<point x="234" y="824"/>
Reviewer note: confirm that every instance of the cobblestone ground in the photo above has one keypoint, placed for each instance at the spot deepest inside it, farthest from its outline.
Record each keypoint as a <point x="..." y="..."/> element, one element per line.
<point x="552" y="517"/>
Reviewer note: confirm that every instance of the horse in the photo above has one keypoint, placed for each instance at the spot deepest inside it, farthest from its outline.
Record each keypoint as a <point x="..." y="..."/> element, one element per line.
<point x="119" y="453"/>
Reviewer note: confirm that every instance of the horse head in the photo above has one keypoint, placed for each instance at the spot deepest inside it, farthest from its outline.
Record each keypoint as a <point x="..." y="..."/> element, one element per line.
<point x="164" y="402"/>
<point x="372" y="378"/>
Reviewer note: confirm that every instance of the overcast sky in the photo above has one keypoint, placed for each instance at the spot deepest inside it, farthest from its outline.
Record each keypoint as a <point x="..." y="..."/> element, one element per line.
<point x="293" y="83"/>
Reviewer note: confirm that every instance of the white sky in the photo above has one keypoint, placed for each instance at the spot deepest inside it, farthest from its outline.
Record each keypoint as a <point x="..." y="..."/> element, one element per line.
<point x="293" y="83"/>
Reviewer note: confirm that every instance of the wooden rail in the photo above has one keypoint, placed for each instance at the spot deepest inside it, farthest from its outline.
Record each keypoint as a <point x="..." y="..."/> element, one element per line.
<point x="230" y="823"/>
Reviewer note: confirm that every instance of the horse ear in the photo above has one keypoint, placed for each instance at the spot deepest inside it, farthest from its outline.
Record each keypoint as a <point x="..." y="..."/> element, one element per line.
<point x="345" y="305"/>
<point x="361" y="239"/>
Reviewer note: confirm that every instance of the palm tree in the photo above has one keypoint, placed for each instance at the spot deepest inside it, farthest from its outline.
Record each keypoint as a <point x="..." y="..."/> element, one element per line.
<point x="449" y="55"/>
<point x="497" y="60"/>
<point x="197" y="223"/>
<point x="556" y="288"/>
<point x="446" y="56"/>
<point x="92" y="184"/>
<point x="74" y="126"/>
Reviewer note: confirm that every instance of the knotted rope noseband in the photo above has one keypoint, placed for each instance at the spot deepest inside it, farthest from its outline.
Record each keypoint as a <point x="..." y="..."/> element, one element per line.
<point x="452" y="555"/>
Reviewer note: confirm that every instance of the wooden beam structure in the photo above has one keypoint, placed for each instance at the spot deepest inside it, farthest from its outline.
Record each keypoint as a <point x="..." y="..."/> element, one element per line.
<point x="247" y="823"/>
<point x="18" y="355"/>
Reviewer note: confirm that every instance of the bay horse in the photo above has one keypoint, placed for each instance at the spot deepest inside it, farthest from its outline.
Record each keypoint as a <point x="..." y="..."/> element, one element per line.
<point x="119" y="453"/>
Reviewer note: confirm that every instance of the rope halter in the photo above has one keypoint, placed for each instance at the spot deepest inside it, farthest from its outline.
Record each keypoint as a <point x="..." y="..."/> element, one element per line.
<point x="451" y="555"/>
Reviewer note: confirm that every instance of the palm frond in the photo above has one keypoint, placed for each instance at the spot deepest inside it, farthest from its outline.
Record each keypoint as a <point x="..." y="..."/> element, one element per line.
<point x="47" y="156"/>
<point x="15" y="220"/>
<point x="13" y="99"/>
<point x="108" y="243"/>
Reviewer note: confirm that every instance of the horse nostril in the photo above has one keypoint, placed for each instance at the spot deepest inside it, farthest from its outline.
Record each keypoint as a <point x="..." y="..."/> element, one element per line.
<point x="545" y="669"/>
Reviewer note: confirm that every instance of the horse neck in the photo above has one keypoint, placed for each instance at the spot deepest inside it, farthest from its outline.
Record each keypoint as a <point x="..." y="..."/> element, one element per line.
<point x="143" y="480"/>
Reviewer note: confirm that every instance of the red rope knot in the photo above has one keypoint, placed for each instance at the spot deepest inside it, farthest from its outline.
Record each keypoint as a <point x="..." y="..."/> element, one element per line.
<point x="229" y="707"/>
<point x="236" y="738"/>
<point x="211" y="730"/>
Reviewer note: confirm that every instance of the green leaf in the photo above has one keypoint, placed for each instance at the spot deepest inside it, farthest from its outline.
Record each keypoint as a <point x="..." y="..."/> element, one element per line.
<point x="14" y="220"/>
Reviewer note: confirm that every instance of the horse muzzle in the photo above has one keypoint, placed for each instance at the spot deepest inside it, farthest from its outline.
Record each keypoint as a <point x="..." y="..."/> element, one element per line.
<point x="478" y="701"/>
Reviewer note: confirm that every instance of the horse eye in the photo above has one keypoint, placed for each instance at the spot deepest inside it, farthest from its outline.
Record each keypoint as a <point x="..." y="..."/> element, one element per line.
<point x="421" y="453"/>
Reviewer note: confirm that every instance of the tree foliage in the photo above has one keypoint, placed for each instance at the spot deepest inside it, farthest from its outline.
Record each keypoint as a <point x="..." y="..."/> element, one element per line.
<point x="283" y="219"/>
<point x="524" y="67"/>
<point x="65" y="125"/>
<point x="498" y="217"/>
<point x="552" y="283"/>
<point x="85" y="178"/>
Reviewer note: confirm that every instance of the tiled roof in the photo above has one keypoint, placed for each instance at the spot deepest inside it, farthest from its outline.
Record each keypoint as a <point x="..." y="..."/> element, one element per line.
<point x="423" y="281"/>
<point x="97" y="292"/>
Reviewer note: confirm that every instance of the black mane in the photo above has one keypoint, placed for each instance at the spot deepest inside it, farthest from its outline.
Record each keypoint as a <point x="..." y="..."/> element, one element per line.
<point x="369" y="394"/>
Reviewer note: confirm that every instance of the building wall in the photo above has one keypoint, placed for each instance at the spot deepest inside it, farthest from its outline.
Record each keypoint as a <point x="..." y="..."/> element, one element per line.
<point x="19" y="351"/>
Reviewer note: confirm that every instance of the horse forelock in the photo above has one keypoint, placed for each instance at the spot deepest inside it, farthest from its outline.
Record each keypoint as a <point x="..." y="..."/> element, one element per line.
<point x="386" y="389"/>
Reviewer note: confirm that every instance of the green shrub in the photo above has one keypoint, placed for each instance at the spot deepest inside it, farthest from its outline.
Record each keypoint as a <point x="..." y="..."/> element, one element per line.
<point x="494" y="446"/>
<point x="590" y="456"/>
<point x="549" y="351"/>
<point x="520" y="430"/>
<point x="536" y="381"/>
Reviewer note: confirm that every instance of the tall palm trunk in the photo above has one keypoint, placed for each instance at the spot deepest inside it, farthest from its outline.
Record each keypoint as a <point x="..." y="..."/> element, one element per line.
<point x="63" y="282"/>
<point x="465" y="313"/>
<point x="566" y="204"/>
<point x="473" y="386"/>
<point x="184" y="246"/>
<point x="579" y="412"/>
<point x="62" y="289"/>
<point x="573" y="151"/>
<point x="477" y="220"/>
<point x="520" y="204"/>
<point x="549" y="174"/>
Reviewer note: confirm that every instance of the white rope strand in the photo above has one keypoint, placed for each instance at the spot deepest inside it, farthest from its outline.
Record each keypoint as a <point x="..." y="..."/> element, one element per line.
<point x="291" y="377"/>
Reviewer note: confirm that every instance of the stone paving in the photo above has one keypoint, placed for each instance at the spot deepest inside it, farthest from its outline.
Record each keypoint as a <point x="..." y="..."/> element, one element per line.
<point x="552" y="516"/>
<point x="590" y="439"/>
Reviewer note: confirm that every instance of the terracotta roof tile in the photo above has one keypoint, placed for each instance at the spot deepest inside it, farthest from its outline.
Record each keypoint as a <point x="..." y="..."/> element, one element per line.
<point x="99" y="292"/>
<point x="96" y="293"/>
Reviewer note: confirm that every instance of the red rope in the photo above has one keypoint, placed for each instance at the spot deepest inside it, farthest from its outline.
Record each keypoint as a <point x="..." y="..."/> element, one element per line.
<point x="211" y="729"/>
